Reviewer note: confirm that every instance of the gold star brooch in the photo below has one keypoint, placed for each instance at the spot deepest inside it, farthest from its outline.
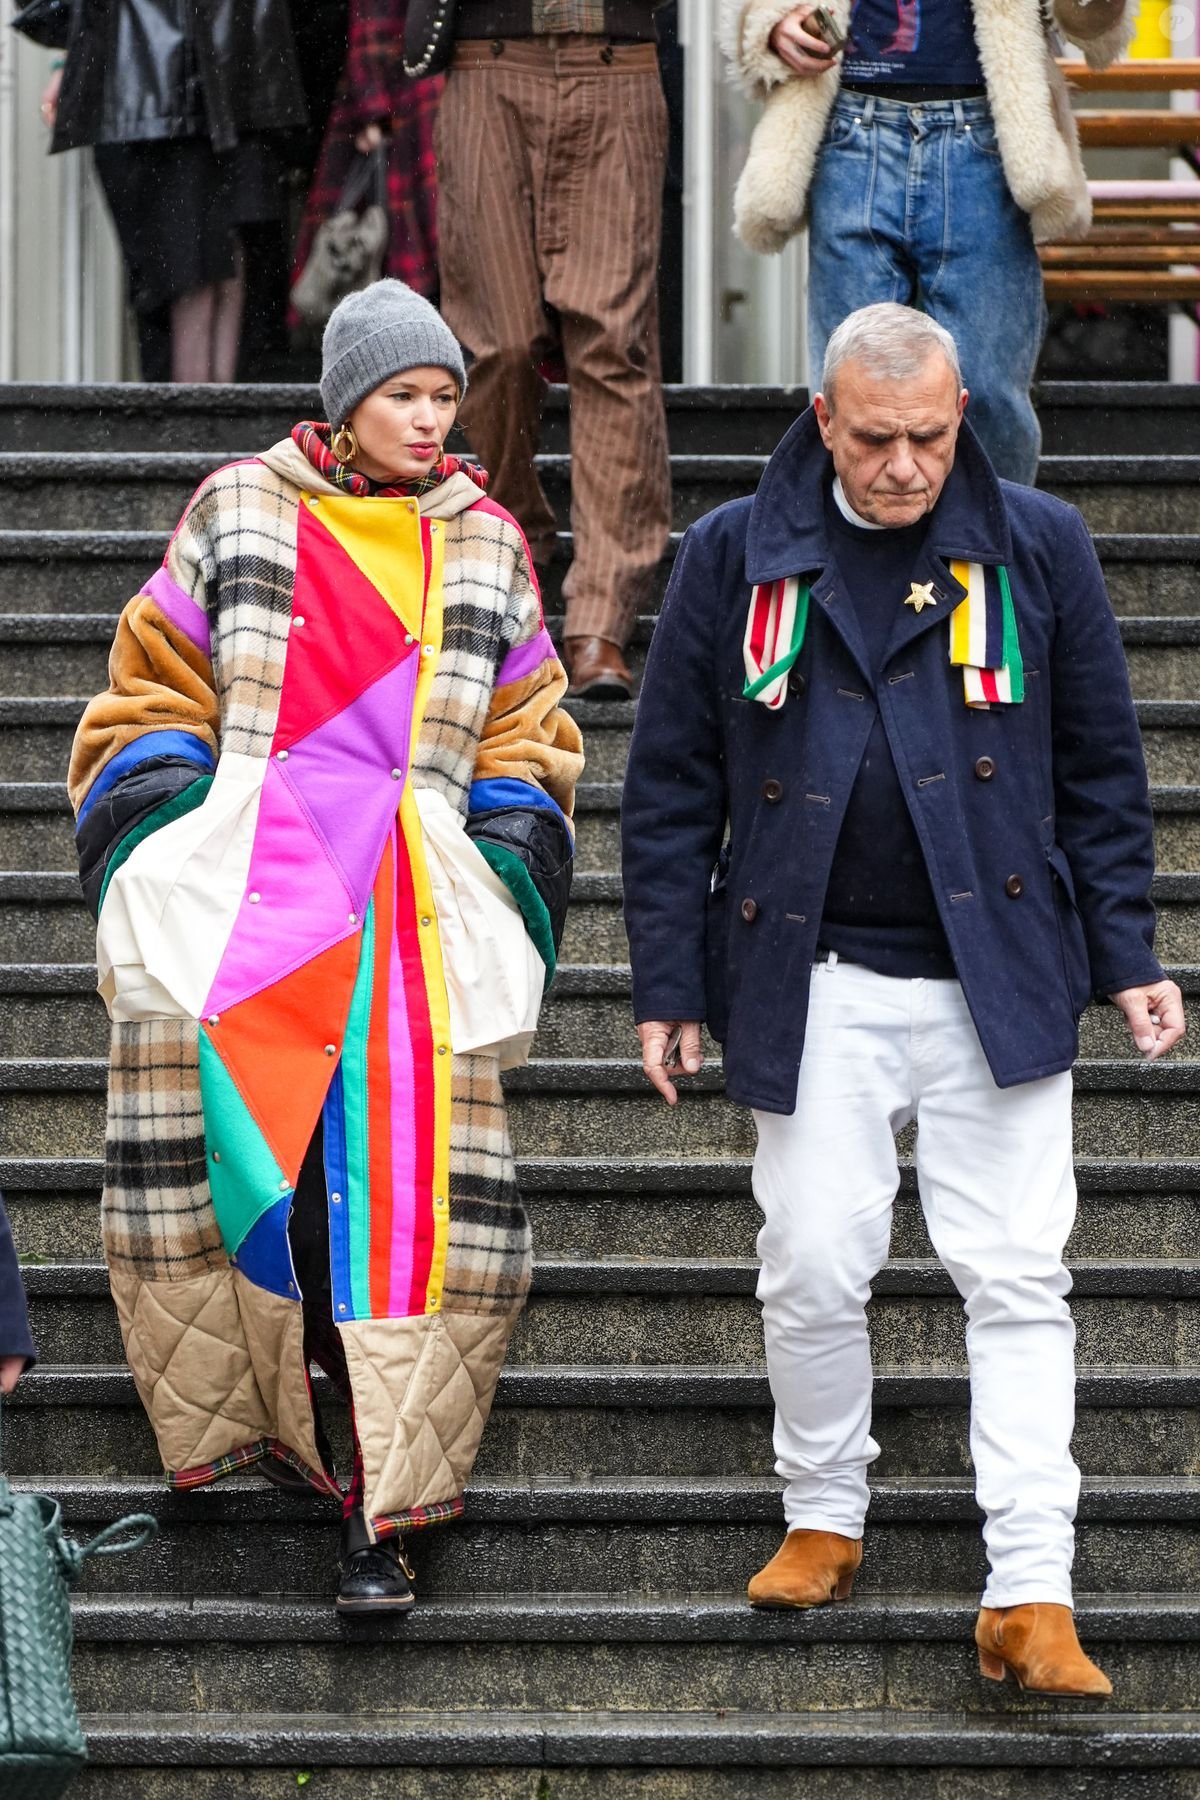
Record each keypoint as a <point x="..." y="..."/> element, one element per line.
<point x="922" y="595"/>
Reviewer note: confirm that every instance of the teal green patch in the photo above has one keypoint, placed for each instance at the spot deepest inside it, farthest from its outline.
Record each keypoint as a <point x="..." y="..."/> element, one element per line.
<point x="245" y="1179"/>
<point x="186" y="802"/>
<point x="519" y="882"/>
<point x="1011" y="650"/>
<point x="358" y="1140"/>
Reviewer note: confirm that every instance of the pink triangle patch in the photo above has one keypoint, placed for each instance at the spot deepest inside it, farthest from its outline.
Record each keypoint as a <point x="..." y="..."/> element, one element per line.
<point x="348" y="775"/>
<point x="295" y="904"/>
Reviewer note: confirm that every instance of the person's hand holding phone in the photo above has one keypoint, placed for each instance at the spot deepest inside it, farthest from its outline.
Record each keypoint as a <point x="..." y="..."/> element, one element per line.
<point x="799" y="42"/>
<point x="670" y="1047"/>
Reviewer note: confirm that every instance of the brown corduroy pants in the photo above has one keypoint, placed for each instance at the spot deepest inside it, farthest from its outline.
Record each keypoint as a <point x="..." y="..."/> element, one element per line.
<point x="550" y="169"/>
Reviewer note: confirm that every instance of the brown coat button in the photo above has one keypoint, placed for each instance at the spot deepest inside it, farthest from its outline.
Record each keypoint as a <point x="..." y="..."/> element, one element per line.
<point x="772" y="790"/>
<point x="1014" y="887"/>
<point x="749" y="911"/>
<point x="985" y="768"/>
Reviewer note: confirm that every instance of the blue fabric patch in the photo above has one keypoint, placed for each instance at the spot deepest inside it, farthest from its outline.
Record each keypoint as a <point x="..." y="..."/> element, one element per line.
<point x="486" y="796"/>
<point x="152" y="743"/>
<point x="265" y="1256"/>
<point x="337" y="1181"/>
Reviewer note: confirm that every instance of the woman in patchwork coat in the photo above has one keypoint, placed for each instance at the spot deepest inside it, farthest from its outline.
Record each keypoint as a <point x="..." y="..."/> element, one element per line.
<point x="324" y="817"/>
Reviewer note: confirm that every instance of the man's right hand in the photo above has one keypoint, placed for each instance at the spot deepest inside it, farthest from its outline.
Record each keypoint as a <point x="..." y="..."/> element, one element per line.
<point x="656" y="1035"/>
<point x="802" y="51"/>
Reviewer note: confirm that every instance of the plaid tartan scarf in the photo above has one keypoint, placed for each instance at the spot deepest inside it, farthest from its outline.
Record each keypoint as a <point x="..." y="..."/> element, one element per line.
<point x="315" y="440"/>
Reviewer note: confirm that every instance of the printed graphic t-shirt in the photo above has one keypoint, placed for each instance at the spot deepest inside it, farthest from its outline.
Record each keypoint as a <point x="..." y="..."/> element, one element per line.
<point x="929" y="43"/>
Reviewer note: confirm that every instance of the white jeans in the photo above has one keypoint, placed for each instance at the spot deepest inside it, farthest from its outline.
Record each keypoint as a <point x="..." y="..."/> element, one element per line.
<point x="997" y="1187"/>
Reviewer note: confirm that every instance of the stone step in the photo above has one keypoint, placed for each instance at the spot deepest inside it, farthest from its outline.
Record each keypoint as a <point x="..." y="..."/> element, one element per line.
<point x="1131" y="417"/>
<point x="98" y="570"/>
<point x="53" y="1011"/>
<point x="36" y="737"/>
<point x="84" y="571"/>
<point x="637" y="1755"/>
<point x="617" y="1312"/>
<point x="596" y="1652"/>
<point x="1170" y="739"/>
<point x="589" y="1210"/>
<point x="37" y="829"/>
<point x="148" y="490"/>
<point x="633" y="1534"/>
<point x="588" y="1422"/>
<point x="50" y="655"/>
<point x="43" y="919"/>
<point x="1123" y="1108"/>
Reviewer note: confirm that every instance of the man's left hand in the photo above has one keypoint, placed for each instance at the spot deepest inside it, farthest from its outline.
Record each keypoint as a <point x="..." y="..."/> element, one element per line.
<point x="1154" y="1015"/>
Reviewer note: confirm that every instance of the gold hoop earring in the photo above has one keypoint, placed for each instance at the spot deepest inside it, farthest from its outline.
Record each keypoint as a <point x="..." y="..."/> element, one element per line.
<point x="344" y="444"/>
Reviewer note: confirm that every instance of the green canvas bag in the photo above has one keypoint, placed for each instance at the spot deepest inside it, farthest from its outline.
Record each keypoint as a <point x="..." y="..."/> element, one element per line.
<point x="41" y="1744"/>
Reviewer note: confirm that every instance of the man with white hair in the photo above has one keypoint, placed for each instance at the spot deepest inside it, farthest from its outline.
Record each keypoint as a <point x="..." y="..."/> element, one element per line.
<point x="900" y="681"/>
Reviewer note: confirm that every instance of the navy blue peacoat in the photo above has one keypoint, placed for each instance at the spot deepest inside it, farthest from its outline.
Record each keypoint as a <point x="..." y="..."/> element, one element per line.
<point x="15" y="1336"/>
<point x="1034" y="819"/>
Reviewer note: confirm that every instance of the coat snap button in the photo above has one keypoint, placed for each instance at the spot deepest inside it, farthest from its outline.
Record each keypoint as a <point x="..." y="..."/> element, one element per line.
<point x="772" y="790"/>
<point x="1014" y="887"/>
<point x="796" y="682"/>
<point x="749" y="911"/>
<point x="985" y="768"/>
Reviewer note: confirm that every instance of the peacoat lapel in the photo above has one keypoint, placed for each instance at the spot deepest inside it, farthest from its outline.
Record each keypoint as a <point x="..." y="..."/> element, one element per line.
<point x="786" y="535"/>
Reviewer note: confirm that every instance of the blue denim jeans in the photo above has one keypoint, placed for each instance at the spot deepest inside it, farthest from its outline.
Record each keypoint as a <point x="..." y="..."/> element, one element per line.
<point x="910" y="203"/>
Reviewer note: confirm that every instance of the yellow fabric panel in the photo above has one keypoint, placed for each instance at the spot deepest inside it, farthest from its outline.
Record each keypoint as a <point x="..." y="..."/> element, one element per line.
<point x="528" y="737"/>
<point x="385" y="545"/>
<point x="157" y="681"/>
<point x="431" y="950"/>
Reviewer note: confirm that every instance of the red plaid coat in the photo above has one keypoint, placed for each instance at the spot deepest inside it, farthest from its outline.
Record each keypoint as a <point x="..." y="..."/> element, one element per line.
<point x="374" y="88"/>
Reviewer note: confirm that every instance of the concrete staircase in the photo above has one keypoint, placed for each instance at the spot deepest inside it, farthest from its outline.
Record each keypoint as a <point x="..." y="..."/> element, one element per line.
<point x="583" y="1632"/>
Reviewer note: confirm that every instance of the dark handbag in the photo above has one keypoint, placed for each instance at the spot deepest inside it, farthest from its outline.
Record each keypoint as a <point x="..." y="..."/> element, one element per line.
<point x="349" y="247"/>
<point x="45" y="22"/>
<point x="429" y="36"/>
<point x="41" y="1744"/>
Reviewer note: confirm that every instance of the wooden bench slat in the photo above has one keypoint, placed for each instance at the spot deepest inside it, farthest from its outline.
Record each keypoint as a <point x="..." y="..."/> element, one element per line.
<point x="1137" y="130"/>
<point x="1138" y="75"/>
<point x="1126" y="285"/>
<point x="1116" y="256"/>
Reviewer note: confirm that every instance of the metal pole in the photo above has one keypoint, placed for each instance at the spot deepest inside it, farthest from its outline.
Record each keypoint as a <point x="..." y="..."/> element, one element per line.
<point x="697" y="34"/>
<point x="8" y="205"/>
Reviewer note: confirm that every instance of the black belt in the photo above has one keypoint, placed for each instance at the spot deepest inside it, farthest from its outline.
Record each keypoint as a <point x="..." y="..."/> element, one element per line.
<point x="914" y="94"/>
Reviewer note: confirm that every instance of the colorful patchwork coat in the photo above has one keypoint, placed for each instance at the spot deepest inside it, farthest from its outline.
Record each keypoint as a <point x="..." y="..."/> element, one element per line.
<point x="324" y="814"/>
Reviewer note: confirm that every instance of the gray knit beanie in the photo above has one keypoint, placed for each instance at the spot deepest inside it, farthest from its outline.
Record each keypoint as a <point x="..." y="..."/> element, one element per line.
<point x="379" y="332"/>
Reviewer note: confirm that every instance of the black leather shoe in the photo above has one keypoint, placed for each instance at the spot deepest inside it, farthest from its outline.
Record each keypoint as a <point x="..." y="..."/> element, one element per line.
<point x="375" y="1577"/>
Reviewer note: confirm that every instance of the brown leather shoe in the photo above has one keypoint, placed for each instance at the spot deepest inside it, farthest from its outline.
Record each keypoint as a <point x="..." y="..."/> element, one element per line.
<point x="810" y="1568"/>
<point x="1038" y="1644"/>
<point x="597" y="669"/>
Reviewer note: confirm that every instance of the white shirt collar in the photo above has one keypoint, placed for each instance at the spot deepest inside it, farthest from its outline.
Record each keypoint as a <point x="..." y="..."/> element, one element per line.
<point x="847" y="511"/>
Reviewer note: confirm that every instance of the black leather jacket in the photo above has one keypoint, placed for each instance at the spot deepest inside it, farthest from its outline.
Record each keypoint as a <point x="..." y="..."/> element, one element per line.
<point x="144" y="69"/>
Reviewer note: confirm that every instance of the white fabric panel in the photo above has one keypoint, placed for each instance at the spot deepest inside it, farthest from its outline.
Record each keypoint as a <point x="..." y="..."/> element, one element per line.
<point x="170" y="909"/>
<point x="494" y="975"/>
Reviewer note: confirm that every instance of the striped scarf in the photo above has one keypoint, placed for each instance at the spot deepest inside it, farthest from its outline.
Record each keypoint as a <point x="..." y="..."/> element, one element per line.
<point x="983" y="638"/>
<point x="316" y="442"/>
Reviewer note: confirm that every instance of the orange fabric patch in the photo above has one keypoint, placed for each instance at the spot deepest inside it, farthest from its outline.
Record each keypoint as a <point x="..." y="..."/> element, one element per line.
<point x="275" y="1048"/>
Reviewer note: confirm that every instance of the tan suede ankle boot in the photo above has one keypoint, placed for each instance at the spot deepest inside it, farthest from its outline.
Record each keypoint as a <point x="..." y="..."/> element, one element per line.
<point x="810" y="1568"/>
<point x="1038" y="1644"/>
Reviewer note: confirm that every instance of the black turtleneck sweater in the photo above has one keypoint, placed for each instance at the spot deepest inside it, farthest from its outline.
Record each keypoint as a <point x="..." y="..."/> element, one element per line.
<point x="879" y="906"/>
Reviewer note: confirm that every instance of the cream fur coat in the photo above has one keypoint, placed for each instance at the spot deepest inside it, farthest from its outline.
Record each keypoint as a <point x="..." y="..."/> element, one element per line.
<point x="1036" y="132"/>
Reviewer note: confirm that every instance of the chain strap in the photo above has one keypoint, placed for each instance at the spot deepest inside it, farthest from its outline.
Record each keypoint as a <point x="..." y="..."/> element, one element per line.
<point x="425" y="62"/>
